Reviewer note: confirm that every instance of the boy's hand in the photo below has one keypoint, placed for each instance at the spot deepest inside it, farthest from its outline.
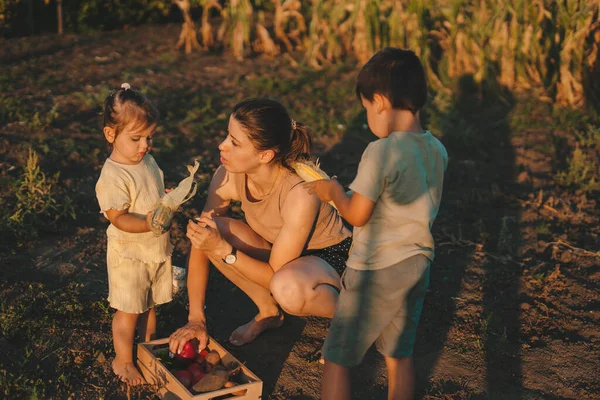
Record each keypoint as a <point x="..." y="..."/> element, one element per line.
<point x="325" y="189"/>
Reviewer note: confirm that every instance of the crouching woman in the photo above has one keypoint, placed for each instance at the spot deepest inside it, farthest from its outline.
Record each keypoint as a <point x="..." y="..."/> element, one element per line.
<point x="291" y="250"/>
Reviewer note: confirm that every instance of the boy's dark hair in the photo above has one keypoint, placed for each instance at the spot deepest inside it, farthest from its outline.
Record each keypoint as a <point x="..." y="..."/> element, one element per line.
<point x="396" y="74"/>
<point x="269" y="127"/>
<point x="125" y="106"/>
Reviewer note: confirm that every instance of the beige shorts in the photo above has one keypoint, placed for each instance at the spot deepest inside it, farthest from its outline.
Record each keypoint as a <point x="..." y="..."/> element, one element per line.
<point x="135" y="286"/>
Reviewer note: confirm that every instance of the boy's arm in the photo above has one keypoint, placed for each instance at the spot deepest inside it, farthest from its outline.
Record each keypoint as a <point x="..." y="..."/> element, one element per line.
<point x="127" y="222"/>
<point x="352" y="206"/>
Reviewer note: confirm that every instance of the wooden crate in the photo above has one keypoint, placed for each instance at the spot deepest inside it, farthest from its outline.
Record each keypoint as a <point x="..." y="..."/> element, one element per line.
<point x="169" y="387"/>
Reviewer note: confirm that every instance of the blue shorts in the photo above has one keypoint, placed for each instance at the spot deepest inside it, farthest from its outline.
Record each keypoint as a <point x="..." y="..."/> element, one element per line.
<point x="381" y="306"/>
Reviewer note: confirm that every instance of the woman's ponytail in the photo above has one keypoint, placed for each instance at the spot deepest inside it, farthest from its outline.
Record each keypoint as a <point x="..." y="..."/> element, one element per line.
<point x="300" y="143"/>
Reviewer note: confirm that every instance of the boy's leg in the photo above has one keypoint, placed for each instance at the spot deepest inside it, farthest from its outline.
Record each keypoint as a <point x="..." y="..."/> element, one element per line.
<point x="123" y="328"/>
<point x="397" y="339"/>
<point x="401" y="378"/>
<point x="146" y="325"/>
<point x="336" y="382"/>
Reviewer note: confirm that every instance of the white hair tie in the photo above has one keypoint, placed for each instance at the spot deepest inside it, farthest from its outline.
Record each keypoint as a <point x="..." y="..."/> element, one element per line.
<point x="293" y="125"/>
<point x="125" y="86"/>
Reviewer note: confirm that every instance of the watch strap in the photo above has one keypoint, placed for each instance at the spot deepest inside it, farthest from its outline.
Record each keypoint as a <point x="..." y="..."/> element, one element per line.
<point x="233" y="253"/>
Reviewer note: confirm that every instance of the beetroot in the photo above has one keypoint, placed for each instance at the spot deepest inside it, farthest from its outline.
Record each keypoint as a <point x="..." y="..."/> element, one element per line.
<point x="197" y="372"/>
<point x="185" y="377"/>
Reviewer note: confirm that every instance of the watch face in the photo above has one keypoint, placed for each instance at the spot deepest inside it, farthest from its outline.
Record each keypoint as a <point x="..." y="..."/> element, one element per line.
<point x="230" y="258"/>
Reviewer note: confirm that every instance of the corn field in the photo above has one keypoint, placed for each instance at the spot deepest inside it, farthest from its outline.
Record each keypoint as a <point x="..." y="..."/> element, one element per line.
<point x="521" y="44"/>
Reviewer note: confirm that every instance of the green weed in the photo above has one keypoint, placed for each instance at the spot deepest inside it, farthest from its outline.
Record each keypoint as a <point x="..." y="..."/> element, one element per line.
<point x="28" y="388"/>
<point x="91" y="100"/>
<point x="201" y="113"/>
<point x="542" y="228"/>
<point x="39" y="203"/>
<point x="484" y="324"/>
<point x="589" y="137"/>
<point x="11" y="109"/>
<point x="582" y="172"/>
<point x="39" y="121"/>
<point x="539" y="276"/>
<point x="15" y="110"/>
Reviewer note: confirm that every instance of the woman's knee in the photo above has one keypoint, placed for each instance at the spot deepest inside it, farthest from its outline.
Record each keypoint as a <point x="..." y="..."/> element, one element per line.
<point x="288" y="292"/>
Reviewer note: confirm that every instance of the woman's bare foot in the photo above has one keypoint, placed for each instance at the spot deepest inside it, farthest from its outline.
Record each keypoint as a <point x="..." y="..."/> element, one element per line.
<point x="250" y="331"/>
<point x="127" y="372"/>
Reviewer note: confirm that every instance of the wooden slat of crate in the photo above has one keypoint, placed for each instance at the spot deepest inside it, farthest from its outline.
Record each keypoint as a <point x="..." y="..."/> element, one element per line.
<point x="170" y="388"/>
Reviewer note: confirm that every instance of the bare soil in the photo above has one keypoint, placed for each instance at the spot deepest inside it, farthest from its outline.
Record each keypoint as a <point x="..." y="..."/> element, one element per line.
<point x="513" y="309"/>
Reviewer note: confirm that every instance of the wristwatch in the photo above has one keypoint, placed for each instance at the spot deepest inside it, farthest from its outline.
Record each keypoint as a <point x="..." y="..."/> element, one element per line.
<point x="231" y="257"/>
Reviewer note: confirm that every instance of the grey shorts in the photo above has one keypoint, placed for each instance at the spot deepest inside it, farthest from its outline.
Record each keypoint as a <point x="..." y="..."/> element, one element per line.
<point x="381" y="306"/>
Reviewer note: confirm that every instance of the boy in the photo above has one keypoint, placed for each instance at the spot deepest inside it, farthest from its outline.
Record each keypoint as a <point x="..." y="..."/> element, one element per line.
<point x="393" y="202"/>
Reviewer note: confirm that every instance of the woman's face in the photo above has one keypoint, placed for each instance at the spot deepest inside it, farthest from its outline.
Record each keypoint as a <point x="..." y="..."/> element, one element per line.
<point x="238" y="154"/>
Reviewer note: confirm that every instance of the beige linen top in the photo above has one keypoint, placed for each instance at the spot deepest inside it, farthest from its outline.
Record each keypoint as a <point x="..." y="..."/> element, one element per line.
<point x="264" y="215"/>
<point x="403" y="174"/>
<point x="136" y="188"/>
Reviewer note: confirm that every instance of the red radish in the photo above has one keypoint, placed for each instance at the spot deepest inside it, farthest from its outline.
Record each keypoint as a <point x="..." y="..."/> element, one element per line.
<point x="189" y="350"/>
<point x="185" y="377"/>
<point x="197" y="372"/>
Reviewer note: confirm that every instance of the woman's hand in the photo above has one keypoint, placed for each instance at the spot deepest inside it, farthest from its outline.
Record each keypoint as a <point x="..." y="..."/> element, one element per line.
<point x="193" y="329"/>
<point x="205" y="235"/>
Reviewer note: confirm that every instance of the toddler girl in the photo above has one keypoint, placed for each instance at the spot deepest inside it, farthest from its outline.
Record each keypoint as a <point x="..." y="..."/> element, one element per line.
<point x="139" y="263"/>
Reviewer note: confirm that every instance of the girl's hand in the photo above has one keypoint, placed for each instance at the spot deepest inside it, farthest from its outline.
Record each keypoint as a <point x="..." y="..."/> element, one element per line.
<point x="193" y="329"/>
<point x="149" y="221"/>
<point x="205" y="235"/>
<point x="324" y="188"/>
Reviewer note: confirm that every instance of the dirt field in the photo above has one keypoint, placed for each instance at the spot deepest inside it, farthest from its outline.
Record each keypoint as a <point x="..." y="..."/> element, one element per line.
<point x="513" y="310"/>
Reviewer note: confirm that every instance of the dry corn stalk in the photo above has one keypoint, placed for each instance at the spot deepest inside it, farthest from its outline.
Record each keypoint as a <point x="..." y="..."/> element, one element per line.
<point x="578" y="19"/>
<point x="406" y="26"/>
<point x="187" y="37"/>
<point x="534" y="45"/>
<point x="284" y="14"/>
<point x="264" y="44"/>
<point x="360" y="41"/>
<point x="208" y="40"/>
<point x="236" y="26"/>
<point x="329" y="35"/>
<point x="310" y="171"/>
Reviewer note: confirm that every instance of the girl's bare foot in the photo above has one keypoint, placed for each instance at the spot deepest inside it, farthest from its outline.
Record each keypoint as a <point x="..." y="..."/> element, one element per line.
<point x="250" y="331"/>
<point x="127" y="372"/>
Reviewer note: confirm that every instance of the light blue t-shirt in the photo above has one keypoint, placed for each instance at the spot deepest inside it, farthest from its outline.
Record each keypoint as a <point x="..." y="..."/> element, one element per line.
<point x="403" y="174"/>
